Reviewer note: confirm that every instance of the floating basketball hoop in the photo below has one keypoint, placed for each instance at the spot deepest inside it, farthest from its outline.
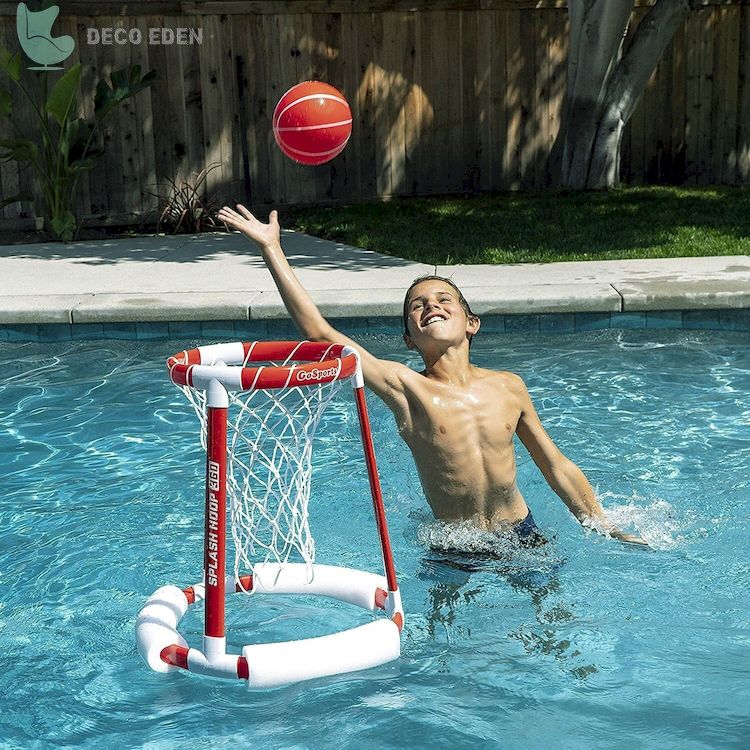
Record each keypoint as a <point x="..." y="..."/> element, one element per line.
<point x="262" y="459"/>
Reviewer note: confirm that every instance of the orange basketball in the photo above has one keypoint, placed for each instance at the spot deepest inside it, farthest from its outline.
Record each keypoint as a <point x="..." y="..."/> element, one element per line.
<point x="312" y="122"/>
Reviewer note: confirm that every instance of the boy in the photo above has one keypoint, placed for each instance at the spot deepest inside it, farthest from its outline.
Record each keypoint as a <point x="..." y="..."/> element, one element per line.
<point x="457" y="419"/>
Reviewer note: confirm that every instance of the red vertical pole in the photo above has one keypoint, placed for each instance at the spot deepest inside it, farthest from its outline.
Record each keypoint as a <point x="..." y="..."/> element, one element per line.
<point x="377" y="495"/>
<point x="214" y="558"/>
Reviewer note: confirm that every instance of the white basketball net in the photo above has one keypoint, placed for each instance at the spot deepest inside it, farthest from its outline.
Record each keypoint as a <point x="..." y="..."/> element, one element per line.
<point x="269" y="468"/>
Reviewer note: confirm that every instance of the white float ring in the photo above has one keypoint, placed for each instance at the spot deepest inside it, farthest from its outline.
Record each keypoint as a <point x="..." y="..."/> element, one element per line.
<point x="267" y="665"/>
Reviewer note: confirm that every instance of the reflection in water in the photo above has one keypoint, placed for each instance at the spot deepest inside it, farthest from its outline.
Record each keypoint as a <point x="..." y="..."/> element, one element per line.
<point x="459" y="577"/>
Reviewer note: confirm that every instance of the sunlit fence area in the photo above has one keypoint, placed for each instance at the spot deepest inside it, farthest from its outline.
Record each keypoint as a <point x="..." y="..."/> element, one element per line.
<point x="447" y="97"/>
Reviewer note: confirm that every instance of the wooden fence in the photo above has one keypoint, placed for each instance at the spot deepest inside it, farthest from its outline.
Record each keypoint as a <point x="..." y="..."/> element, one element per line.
<point x="451" y="97"/>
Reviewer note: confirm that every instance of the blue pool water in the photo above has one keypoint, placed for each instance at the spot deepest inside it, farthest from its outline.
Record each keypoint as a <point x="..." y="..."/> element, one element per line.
<point x="584" y="643"/>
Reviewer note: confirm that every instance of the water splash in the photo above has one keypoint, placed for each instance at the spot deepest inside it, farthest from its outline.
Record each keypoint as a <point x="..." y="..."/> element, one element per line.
<point x="464" y="538"/>
<point x="656" y="521"/>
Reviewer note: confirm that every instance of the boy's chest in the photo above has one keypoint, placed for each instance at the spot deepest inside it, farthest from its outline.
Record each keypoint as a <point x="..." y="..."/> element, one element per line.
<point x="465" y="416"/>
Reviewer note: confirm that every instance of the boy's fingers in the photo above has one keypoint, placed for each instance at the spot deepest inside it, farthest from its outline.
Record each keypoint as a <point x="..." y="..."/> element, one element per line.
<point x="245" y="212"/>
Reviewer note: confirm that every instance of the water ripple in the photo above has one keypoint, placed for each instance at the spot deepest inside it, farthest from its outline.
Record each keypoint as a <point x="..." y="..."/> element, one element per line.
<point x="103" y="503"/>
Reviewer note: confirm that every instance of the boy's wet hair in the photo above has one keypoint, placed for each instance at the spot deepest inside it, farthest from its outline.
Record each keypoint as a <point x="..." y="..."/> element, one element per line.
<point x="431" y="277"/>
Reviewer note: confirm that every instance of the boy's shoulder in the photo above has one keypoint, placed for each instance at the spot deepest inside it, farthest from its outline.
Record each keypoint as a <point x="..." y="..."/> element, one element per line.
<point x="505" y="377"/>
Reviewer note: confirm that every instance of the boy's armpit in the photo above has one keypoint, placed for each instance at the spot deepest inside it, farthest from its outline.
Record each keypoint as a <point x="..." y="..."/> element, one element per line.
<point x="389" y="381"/>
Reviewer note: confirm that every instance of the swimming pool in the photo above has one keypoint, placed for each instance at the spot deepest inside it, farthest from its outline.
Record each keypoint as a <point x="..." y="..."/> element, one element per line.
<point x="582" y="643"/>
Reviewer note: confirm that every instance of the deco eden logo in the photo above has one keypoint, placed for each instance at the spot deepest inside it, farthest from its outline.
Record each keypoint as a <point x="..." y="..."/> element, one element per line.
<point x="34" y="30"/>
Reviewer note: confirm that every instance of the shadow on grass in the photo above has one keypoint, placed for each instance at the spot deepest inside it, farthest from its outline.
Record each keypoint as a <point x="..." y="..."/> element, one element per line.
<point x="545" y="226"/>
<point x="656" y="222"/>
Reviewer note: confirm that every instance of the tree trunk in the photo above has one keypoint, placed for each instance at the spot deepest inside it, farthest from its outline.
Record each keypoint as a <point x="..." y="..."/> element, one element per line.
<point x="605" y="84"/>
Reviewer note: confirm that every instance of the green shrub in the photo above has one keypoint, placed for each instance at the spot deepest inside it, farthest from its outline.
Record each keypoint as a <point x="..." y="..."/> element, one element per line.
<point x="63" y="146"/>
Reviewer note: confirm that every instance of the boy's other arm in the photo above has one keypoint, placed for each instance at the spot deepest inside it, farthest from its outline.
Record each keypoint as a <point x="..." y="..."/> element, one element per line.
<point x="562" y="475"/>
<point x="383" y="376"/>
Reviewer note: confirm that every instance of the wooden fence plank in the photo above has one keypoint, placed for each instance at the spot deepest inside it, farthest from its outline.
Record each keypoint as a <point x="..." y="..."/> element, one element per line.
<point x="130" y="195"/>
<point x="329" y="67"/>
<point x="294" y="185"/>
<point x="483" y="87"/>
<point x="511" y="172"/>
<point x="342" y="171"/>
<point x="116" y="174"/>
<point x="310" y="34"/>
<point x="718" y="108"/>
<point x="232" y="187"/>
<point x="693" y="97"/>
<point x="638" y="119"/>
<point x="743" y="99"/>
<point x="651" y="109"/>
<point x="427" y="182"/>
<point x="69" y="27"/>
<point x="497" y="101"/>
<point x="367" y="162"/>
<point x="540" y="103"/>
<point x="261" y="106"/>
<point x="731" y="22"/>
<point x="527" y="151"/>
<point x="706" y="91"/>
<point x="448" y="91"/>
<point x="557" y="51"/>
<point x="245" y="70"/>
<point x="167" y="105"/>
<point x="380" y="108"/>
<point x="469" y="90"/>
<point x="350" y="76"/>
<point x="211" y="81"/>
<point x="412" y="109"/>
<point x="677" y="107"/>
<point x="392" y="94"/>
<point x="195" y="158"/>
<point x="663" y="129"/>
<point x="144" y="124"/>
<point x="94" y="201"/>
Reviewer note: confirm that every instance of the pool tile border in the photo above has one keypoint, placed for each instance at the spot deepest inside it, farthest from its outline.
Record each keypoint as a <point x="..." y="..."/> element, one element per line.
<point x="544" y="323"/>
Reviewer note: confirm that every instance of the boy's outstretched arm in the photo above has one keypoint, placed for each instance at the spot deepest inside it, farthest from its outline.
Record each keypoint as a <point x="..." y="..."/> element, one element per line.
<point x="297" y="301"/>
<point x="383" y="376"/>
<point x="562" y="475"/>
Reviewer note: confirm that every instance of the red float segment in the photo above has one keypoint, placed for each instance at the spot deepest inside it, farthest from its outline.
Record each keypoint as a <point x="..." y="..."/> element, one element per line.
<point x="187" y="357"/>
<point x="244" y="584"/>
<point x="175" y="655"/>
<point x="315" y="370"/>
<point x="262" y="378"/>
<point x="243" y="668"/>
<point x="179" y="374"/>
<point x="381" y="597"/>
<point x="305" y="351"/>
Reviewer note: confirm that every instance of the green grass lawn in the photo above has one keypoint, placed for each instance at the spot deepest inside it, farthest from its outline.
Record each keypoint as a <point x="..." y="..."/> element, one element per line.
<point x="540" y="227"/>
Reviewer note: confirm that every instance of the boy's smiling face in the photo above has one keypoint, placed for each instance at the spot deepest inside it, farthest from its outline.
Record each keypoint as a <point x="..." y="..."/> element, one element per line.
<point x="435" y="316"/>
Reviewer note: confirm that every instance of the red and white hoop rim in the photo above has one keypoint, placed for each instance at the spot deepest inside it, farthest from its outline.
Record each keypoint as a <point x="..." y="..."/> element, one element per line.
<point x="313" y="363"/>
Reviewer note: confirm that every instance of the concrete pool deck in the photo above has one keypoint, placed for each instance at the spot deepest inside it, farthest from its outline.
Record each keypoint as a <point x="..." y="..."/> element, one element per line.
<point x="221" y="276"/>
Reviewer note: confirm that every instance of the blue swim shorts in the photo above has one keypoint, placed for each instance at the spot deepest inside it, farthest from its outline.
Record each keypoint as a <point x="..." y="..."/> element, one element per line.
<point x="528" y="532"/>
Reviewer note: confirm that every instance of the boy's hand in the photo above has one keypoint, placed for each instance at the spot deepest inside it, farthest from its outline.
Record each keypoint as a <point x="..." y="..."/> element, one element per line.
<point x="629" y="538"/>
<point x="603" y="525"/>
<point x="265" y="235"/>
